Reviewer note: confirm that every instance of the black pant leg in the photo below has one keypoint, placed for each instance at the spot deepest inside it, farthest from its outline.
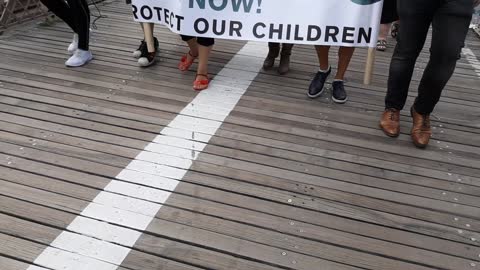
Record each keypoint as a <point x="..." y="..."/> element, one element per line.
<point x="450" y="28"/>
<point x="81" y="17"/>
<point x="415" y="20"/>
<point x="63" y="11"/>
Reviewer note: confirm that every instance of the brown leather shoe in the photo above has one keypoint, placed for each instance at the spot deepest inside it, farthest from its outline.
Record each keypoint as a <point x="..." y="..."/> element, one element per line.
<point x="273" y="52"/>
<point x="421" y="130"/>
<point x="390" y="122"/>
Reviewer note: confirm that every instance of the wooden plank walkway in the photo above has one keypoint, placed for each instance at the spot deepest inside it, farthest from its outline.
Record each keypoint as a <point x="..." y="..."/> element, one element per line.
<point x="285" y="183"/>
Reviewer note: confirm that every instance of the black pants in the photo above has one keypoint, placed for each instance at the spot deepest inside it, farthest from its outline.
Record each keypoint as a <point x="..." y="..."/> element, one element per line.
<point x="207" y="42"/>
<point x="76" y="14"/>
<point x="278" y="45"/>
<point x="450" y="20"/>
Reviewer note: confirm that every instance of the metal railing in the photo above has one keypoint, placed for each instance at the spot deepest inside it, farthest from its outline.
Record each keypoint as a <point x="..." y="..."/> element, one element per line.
<point x="18" y="11"/>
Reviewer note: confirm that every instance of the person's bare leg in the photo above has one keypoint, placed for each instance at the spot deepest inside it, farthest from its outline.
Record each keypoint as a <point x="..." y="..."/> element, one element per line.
<point x="148" y="59"/>
<point x="201" y="79"/>
<point x="322" y="53"/>
<point x="339" y="95"/>
<point x="194" y="49"/>
<point x="204" y="55"/>
<point x="384" y="29"/>
<point x="316" y="87"/>
<point x="344" y="56"/>
<point x="382" y="36"/>
<point x="148" y="32"/>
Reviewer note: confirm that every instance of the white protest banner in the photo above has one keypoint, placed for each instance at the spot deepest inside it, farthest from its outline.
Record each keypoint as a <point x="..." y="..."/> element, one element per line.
<point x="327" y="22"/>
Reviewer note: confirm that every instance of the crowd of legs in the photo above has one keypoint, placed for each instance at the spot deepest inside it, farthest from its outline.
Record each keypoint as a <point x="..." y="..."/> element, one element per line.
<point x="411" y="23"/>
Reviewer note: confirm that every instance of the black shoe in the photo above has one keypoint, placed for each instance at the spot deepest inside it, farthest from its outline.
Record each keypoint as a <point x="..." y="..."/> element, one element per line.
<point x="316" y="88"/>
<point x="138" y="52"/>
<point x="147" y="58"/>
<point x="143" y="46"/>
<point x="338" y="92"/>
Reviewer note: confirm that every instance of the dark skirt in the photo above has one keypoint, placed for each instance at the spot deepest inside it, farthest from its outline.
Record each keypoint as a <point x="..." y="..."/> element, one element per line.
<point x="389" y="12"/>
<point x="207" y="42"/>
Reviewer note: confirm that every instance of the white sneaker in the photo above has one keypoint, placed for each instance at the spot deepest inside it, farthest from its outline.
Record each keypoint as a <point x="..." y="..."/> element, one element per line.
<point x="74" y="45"/>
<point x="79" y="58"/>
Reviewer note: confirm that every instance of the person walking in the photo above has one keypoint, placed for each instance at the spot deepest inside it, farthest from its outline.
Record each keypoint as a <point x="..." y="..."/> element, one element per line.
<point x="317" y="86"/>
<point x="199" y="47"/>
<point x="450" y="21"/>
<point x="76" y="14"/>
<point x="147" y="51"/>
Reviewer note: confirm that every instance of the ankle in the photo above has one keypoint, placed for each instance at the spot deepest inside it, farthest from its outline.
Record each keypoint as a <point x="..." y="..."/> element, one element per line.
<point x="202" y="76"/>
<point x="192" y="55"/>
<point x="325" y="70"/>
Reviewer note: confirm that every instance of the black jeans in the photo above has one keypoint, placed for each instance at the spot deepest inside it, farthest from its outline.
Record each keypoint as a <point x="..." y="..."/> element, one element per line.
<point x="76" y="14"/>
<point x="450" y="20"/>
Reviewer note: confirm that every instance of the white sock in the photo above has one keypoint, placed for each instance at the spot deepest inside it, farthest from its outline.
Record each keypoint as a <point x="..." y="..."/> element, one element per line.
<point x="325" y="71"/>
<point x="338" y="80"/>
<point x="74" y="45"/>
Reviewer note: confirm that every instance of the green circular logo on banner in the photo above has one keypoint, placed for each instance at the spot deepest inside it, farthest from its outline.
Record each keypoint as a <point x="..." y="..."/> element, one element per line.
<point x="365" y="2"/>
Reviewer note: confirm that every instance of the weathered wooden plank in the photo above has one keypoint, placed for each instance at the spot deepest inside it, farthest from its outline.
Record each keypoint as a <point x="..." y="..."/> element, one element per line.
<point x="77" y="113"/>
<point x="60" y="160"/>
<point x="361" y="164"/>
<point x="440" y="170"/>
<point x="21" y="228"/>
<point x="229" y="244"/>
<point x="18" y="248"/>
<point x="314" y="211"/>
<point x="137" y="260"/>
<point x="460" y="210"/>
<point x="203" y="180"/>
<point x="77" y="122"/>
<point x="111" y="159"/>
<point x="138" y="114"/>
<point x="11" y="264"/>
<point x="42" y="197"/>
<point x="341" y="119"/>
<point x="341" y="172"/>
<point x="45" y="235"/>
<point x="55" y="172"/>
<point x="391" y="151"/>
<point x="62" y="149"/>
<point x="323" y="172"/>
<point x="374" y="259"/>
<point x="174" y="250"/>
<point x="236" y="211"/>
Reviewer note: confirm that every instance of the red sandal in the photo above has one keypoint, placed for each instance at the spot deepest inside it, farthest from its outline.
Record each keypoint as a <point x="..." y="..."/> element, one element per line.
<point x="201" y="84"/>
<point x="185" y="64"/>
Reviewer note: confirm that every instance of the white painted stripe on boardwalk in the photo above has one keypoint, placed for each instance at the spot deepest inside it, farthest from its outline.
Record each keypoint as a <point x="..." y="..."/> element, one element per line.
<point x="102" y="236"/>
<point x="472" y="59"/>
